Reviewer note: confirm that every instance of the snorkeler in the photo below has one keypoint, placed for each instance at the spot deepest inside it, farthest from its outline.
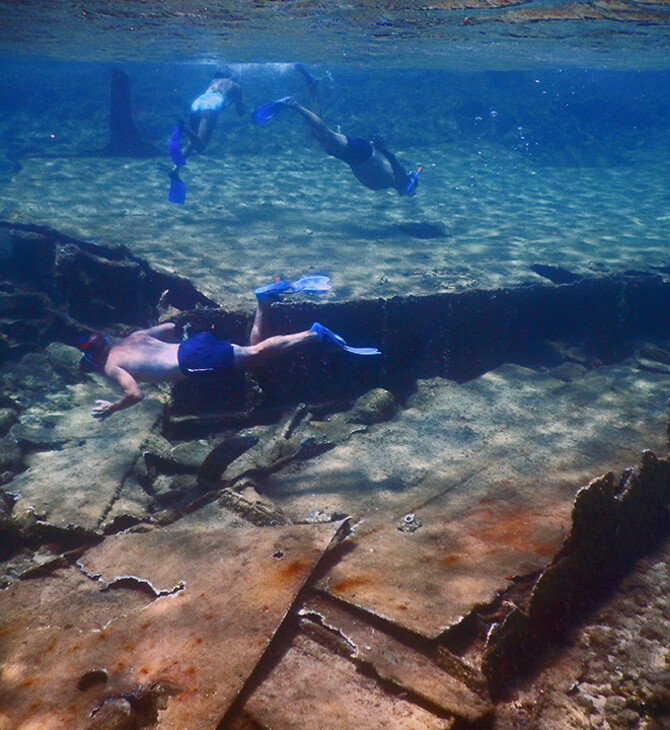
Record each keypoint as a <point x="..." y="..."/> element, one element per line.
<point x="155" y="355"/>
<point x="373" y="164"/>
<point x="205" y="111"/>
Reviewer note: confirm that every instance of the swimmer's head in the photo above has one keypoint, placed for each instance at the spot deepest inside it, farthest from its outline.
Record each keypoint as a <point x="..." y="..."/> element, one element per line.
<point x="95" y="348"/>
<point x="223" y="72"/>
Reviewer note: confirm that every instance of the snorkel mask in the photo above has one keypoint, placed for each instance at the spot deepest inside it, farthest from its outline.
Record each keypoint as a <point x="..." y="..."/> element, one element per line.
<point x="412" y="182"/>
<point x="95" y="344"/>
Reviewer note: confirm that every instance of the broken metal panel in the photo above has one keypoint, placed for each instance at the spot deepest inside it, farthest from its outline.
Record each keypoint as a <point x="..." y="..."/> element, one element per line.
<point x="499" y="512"/>
<point x="612" y="525"/>
<point x="215" y="600"/>
<point x="429" y="579"/>
<point x="76" y="485"/>
<point x="313" y="688"/>
<point x="396" y="662"/>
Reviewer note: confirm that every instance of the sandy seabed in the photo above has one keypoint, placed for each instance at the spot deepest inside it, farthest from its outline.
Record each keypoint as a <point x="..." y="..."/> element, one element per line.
<point x="481" y="218"/>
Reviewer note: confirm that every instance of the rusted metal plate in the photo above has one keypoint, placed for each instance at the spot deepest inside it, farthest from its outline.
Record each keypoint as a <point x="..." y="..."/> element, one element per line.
<point x="502" y="510"/>
<point x="74" y="486"/>
<point x="407" y="668"/>
<point x="313" y="688"/>
<point x="430" y="579"/>
<point x="212" y="601"/>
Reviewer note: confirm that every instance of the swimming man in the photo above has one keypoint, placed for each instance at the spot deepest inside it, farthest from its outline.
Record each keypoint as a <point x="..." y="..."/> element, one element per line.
<point x="372" y="163"/>
<point x="205" y="111"/>
<point x="154" y="355"/>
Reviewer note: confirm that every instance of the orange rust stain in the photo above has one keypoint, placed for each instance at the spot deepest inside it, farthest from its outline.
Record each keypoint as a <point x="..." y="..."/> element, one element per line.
<point x="402" y="607"/>
<point x="348" y="584"/>
<point x="451" y="558"/>
<point x="296" y="567"/>
<point x="144" y="670"/>
<point x="145" y="626"/>
<point x="528" y="531"/>
<point x="28" y="682"/>
<point x="120" y="665"/>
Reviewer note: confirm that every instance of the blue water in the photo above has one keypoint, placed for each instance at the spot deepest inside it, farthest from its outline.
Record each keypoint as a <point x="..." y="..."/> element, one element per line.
<point x="546" y="113"/>
<point x="559" y="165"/>
<point x="542" y="130"/>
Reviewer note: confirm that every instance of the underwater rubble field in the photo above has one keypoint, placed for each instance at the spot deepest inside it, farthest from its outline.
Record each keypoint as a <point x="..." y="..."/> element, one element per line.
<point x="469" y="531"/>
<point x="420" y="541"/>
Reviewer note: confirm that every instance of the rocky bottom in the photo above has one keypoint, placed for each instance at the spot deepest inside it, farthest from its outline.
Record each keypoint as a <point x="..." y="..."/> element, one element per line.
<point x="610" y="672"/>
<point x="425" y="558"/>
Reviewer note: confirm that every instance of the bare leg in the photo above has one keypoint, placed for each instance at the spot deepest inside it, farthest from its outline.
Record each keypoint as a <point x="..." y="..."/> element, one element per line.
<point x="193" y="141"/>
<point x="206" y="128"/>
<point x="259" y="327"/>
<point x="261" y="347"/>
<point x="257" y="354"/>
<point x="332" y="142"/>
<point x="399" y="173"/>
<point x="312" y="87"/>
<point x="198" y="140"/>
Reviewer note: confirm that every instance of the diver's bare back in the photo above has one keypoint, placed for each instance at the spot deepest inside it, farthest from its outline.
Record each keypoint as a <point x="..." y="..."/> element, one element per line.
<point x="146" y="358"/>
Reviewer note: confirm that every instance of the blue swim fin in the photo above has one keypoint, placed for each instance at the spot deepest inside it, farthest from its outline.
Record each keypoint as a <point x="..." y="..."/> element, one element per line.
<point x="175" y="147"/>
<point x="327" y="335"/>
<point x="311" y="283"/>
<point x="315" y="283"/>
<point x="273" y="290"/>
<point x="177" y="192"/>
<point x="265" y="112"/>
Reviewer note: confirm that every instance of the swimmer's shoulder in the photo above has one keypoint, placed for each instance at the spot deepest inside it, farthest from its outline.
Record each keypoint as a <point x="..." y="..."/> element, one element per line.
<point x="223" y="86"/>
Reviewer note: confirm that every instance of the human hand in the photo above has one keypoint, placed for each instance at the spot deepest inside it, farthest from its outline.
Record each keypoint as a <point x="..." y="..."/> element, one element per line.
<point x="102" y="409"/>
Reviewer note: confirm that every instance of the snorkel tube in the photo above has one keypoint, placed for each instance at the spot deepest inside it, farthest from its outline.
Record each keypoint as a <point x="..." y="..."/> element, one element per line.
<point x="412" y="182"/>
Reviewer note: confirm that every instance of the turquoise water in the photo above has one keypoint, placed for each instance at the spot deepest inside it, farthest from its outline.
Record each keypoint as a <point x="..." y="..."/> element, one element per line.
<point x="542" y="141"/>
<point x="542" y="130"/>
<point x="559" y="165"/>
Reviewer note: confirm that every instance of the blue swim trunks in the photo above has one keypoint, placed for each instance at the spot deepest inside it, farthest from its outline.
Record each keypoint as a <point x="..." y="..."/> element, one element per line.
<point x="203" y="353"/>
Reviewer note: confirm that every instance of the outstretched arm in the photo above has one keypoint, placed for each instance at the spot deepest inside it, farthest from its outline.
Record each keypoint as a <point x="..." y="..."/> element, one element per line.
<point x="131" y="393"/>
